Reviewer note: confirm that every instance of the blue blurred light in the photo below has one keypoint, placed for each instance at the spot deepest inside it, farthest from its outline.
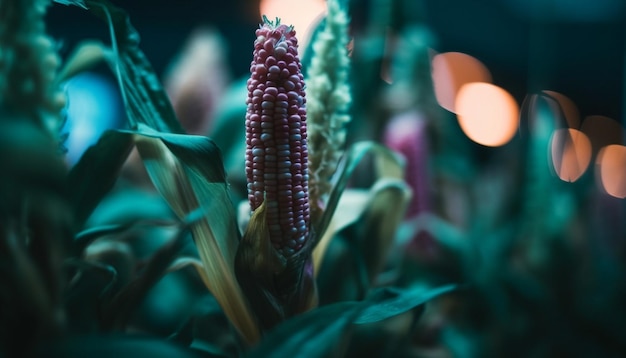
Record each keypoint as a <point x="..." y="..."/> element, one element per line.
<point x="93" y="107"/>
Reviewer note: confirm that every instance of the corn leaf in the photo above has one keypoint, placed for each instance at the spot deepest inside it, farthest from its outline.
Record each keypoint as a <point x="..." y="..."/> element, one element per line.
<point x="323" y="332"/>
<point x="375" y="230"/>
<point x="389" y="165"/>
<point x="398" y="301"/>
<point x="86" y="55"/>
<point x="186" y="170"/>
<point x="189" y="174"/>
<point x="362" y="248"/>
<point x="79" y="3"/>
<point x="117" y="312"/>
<point x="146" y="101"/>
<point x="86" y="237"/>
<point x="184" y="262"/>
<point x="326" y="331"/>
<point x="351" y="206"/>
<point x="96" y="172"/>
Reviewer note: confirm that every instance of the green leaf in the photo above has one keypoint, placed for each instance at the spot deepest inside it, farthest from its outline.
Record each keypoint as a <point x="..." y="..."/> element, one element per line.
<point x="375" y="231"/>
<point x="96" y="172"/>
<point x="389" y="165"/>
<point x="323" y="332"/>
<point x="209" y="350"/>
<point x="146" y="101"/>
<point x="92" y="281"/>
<point x="326" y="331"/>
<point x="257" y="266"/>
<point x="86" y="237"/>
<point x="367" y="242"/>
<point x="117" y="312"/>
<point x="196" y="152"/>
<point x="85" y="56"/>
<point x="390" y="302"/>
<point x="340" y="275"/>
<point x="189" y="174"/>
<point x="186" y="170"/>
<point x="350" y="207"/>
<point x="79" y="3"/>
<point x="184" y="262"/>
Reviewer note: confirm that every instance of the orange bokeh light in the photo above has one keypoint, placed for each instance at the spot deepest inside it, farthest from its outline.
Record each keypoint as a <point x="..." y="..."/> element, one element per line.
<point x="571" y="153"/>
<point x="611" y="170"/>
<point x="569" y="108"/>
<point x="487" y="113"/>
<point x="452" y="70"/>
<point x="302" y="14"/>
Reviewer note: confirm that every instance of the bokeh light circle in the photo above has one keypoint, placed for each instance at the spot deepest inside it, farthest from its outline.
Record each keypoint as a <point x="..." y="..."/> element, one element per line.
<point x="569" y="108"/>
<point x="452" y="70"/>
<point x="487" y="114"/>
<point x="301" y="14"/>
<point x="571" y="153"/>
<point x="611" y="167"/>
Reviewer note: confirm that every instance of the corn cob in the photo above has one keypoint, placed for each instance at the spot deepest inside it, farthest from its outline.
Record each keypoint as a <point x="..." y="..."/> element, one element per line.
<point x="276" y="137"/>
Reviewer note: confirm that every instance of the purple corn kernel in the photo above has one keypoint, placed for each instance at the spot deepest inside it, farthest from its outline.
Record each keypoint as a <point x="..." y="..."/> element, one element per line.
<point x="276" y="155"/>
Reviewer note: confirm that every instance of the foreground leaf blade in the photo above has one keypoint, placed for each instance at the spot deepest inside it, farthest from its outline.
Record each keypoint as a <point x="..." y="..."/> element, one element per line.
<point x="188" y="172"/>
<point x="96" y="172"/>
<point x="327" y="330"/>
<point x="399" y="301"/>
<point x="323" y="332"/>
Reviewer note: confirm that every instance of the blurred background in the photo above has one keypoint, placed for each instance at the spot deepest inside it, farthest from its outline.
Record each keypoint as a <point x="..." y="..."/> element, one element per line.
<point x="573" y="47"/>
<point x="575" y="50"/>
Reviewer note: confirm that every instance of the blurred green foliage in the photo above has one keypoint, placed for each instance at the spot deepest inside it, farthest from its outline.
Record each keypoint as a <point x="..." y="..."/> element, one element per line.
<point x="113" y="256"/>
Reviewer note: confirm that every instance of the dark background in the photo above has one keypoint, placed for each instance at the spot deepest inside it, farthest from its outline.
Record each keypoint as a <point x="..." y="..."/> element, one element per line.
<point x="529" y="47"/>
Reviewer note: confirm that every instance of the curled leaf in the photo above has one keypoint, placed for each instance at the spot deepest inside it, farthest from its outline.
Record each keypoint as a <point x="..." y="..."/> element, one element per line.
<point x="377" y="226"/>
<point x="388" y="165"/>
<point x="327" y="331"/>
<point x="184" y="262"/>
<point x="188" y="172"/>
<point x="323" y="332"/>
<point x="350" y="207"/>
<point x="96" y="172"/>
<point x="366" y="243"/>
<point x="86" y="55"/>
<point x="281" y="286"/>
<point x="392" y="302"/>
<point x="256" y="264"/>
